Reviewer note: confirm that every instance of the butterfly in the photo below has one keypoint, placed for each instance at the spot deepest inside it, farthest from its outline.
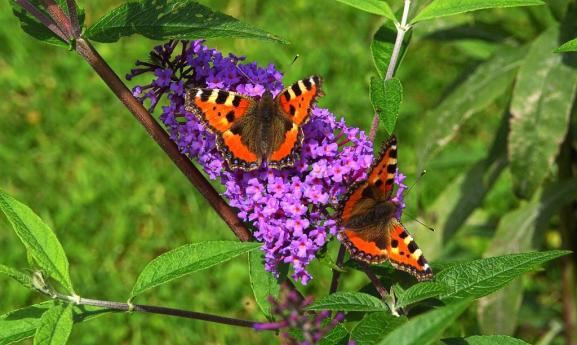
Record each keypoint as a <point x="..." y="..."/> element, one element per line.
<point x="250" y="131"/>
<point x="371" y="232"/>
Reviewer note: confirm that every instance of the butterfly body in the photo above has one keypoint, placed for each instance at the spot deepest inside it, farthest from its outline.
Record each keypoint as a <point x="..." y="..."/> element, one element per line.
<point x="250" y="131"/>
<point x="371" y="232"/>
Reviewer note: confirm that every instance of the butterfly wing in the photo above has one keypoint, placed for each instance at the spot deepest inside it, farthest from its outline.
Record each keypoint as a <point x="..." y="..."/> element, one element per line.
<point x="382" y="172"/>
<point x="293" y="109"/>
<point x="404" y="254"/>
<point x="224" y="113"/>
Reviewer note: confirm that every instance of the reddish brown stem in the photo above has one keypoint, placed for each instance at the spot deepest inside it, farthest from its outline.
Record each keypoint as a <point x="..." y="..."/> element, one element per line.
<point x="87" y="51"/>
<point x="42" y="18"/>
<point x="337" y="274"/>
<point x="376" y="282"/>
<point x="59" y="17"/>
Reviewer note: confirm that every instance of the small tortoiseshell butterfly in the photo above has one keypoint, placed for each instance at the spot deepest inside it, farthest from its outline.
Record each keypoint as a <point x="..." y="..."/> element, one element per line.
<point x="371" y="232"/>
<point x="250" y="131"/>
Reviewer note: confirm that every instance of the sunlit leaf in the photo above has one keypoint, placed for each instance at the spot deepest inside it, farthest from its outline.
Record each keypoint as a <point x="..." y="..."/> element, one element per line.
<point x="375" y="326"/>
<point x="337" y="336"/>
<point x="442" y="8"/>
<point x="485" y="340"/>
<point x="39" y="240"/>
<point x="386" y="97"/>
<point x="570" y="46"/>
<point x="425" y="328"/>
<point x="55" y="326"/>
<point x="188" y="259"/>
<point x="379" y="7"/>
<point x="419" y="292"/>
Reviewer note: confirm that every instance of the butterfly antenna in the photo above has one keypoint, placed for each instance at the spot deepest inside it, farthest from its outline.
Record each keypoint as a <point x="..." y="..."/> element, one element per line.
<point x="414" y="183"/>
<point x="295" y="59"/>
<point x="246" y="75"/>
<point x="419" y="221"/>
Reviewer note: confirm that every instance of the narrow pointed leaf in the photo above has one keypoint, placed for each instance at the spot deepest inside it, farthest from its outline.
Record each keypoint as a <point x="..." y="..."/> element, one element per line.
<point x="39" y="240"/>
<point x="442" y="8"/>
<point x="474" y="279"/>
<point x="37" y="30"/>
<point x="485" y="340"/>
<point x="375" y="326"/>
<point x="17" y="275"/>
<point x="419" y="292"/>
<point x="425" y="328"/>
<point x="188" y="259"/>
<point x="348" y="301"/>
<point x="489" y="81"/>
<point x="379" y="7"/>
<point x="542" y="101"/>
<point x="262" y="282"/>
<point x="172" y="19"/>
<point x="382" y="47"/>
<point x="570" y="46"/>
<point x="55" y="326"/>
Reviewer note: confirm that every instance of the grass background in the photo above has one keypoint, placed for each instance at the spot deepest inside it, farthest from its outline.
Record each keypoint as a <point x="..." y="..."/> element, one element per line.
<point x="75" y="155"/>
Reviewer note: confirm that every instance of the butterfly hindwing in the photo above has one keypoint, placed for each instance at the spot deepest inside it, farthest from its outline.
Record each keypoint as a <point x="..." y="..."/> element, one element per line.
<point x="404" y="254"/>
<point x="295" y="102"/>
<point x="367" y="245"/>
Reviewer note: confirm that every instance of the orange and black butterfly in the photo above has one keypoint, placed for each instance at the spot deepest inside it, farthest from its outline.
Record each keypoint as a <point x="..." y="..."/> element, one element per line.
<point x="371" y="232"/>
<point x="250" y="131"/>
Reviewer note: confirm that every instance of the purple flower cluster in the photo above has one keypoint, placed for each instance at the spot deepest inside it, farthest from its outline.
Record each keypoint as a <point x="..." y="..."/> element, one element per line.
<point x="290" y="209"/>
<point x="291" y="314"/>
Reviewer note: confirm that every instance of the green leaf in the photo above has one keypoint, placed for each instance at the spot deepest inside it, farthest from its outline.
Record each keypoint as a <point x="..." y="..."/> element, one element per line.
<point x="382" y="47"/>
<point x="348" y="301"/>
<point x="17" y="275"/>
<point x="386" y="97"/>
<point x="485" y="340"/>
<point x="55" y="326"/>
<point x="489" y="81"/>
<point x="37" y="30"/>
<point x="442" y="8"/>
<point x="22" y="323"/>
<point x="474" y="279"/>
<point x="542" y="100"/>
<point x="171" y="19"/>
<point x="337" y="336"/>
<point x="516" y="233"/>
<point x="419" y="292"/>
<point x="38" y="238"/>
<point x="425" y="328"/>
<point x="570" y="46"/>
<point x="375" y="326"/>
<point x="262" y="282"/>
<point x="372" y="6"/>
<point x="187" y="259"/>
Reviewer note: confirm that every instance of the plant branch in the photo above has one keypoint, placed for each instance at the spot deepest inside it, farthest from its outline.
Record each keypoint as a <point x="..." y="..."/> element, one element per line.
<point x="87" y="51"/>
<point x="42" y="18"/>
<point x="73" y="13"/>
<point x="402" y="29"/>
<point x="388" y="298"/>
<point x="336" y="273"/>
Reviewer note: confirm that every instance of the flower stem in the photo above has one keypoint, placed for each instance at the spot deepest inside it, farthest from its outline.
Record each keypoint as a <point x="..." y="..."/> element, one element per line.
<point x="402" y="29"/>
<point x="336" y="273"/>
<point x="87" y="51"/>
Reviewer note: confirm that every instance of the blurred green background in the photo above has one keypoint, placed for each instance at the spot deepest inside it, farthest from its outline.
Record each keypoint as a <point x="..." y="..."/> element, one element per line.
<point x="75" y="155"/>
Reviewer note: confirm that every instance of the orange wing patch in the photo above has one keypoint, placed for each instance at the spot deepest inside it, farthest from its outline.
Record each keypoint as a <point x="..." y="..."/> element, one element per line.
<point x="237" y="154"/>
<point x="382" y="173"/>
<point x="283" y="156"/>
<point x="404" y="254"/>
<point x="350" y="200"/>
<point x="362" y="248"/>
<point x="296" y="100"/>
<point x="218" y="109"/>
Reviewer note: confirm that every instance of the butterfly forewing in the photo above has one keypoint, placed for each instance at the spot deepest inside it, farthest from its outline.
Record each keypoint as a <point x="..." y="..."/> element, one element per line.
<point x="382" y="173"/>
<point x="295" y="102"/>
